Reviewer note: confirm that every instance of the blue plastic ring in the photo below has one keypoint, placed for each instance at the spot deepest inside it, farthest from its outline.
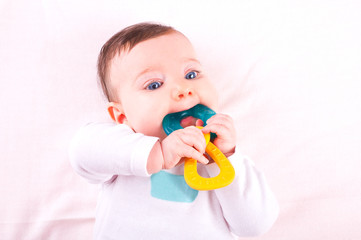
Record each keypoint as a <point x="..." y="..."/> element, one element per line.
<point x="171" y="122"/>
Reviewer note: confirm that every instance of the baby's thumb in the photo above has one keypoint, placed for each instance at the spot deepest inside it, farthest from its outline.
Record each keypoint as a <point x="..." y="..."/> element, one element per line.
<point x="199" y="122"/>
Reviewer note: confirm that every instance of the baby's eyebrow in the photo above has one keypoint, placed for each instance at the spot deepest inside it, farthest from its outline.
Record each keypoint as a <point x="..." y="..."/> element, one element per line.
<point x="144" y="71"/>
<point x="192" y="60"/>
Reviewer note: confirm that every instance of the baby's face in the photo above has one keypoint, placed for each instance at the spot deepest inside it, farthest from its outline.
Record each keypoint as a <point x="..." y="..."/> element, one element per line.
<point x="157" y="77"/>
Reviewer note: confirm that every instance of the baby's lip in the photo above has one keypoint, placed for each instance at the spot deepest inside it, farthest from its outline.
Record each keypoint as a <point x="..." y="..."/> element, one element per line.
<point x="188" y="121"/>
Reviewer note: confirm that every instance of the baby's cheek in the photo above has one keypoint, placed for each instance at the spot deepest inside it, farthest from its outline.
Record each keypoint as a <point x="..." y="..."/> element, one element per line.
<point x="212" y="98"/>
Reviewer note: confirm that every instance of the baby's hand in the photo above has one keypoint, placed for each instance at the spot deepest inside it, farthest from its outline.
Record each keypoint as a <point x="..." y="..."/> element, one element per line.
<point x="188" y="142"/>
<point x="223" y="126"/>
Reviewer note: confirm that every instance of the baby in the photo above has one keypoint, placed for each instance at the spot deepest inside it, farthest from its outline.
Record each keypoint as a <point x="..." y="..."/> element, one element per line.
<point x="148" y="71"/>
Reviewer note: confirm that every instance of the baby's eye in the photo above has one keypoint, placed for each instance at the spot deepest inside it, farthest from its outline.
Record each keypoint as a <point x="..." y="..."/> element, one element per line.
<point x="154" y="85"/>
<point x="191" y="75"/>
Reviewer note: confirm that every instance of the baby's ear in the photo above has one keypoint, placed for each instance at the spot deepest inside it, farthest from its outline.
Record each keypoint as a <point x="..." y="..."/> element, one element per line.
<point x="116" y="112"/>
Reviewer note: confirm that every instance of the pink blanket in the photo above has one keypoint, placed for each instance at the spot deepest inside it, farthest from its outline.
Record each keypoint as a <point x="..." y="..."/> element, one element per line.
<point x="289" y="72"/>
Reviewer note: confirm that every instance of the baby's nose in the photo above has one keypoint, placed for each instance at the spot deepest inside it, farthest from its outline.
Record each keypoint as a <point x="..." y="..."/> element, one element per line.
<point x="181" y="93"/>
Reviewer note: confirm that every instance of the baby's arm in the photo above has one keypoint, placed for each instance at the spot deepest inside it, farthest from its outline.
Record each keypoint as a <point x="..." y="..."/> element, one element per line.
<point x="248" y="205"/>
<point x="100" y="151"/>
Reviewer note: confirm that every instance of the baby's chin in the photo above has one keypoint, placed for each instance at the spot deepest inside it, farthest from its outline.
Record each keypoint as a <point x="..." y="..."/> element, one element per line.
<point x="150" y="131"/>
<point x="161" y="136"/>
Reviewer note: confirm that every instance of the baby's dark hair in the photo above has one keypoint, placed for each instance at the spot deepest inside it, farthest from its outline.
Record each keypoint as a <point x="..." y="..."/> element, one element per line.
<point x="126" y="39"/>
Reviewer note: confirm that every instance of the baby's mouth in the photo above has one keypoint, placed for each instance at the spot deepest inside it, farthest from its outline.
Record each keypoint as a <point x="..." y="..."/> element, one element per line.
<point x="190" y="121"/>
<point x="194" y="116"/>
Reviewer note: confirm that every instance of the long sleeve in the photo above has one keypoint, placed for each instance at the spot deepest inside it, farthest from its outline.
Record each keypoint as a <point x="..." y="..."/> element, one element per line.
<point x="249" y="206"/>
<point x="99" y="151"/>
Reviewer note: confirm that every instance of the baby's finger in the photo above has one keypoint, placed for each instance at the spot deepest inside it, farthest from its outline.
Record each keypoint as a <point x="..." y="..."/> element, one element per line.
<point x="221" y="119"/>
<point x="192" y="153"/>
<point x="218" y="124"/>
<point x="218" y="129"/>
<point x="194" y="137"/>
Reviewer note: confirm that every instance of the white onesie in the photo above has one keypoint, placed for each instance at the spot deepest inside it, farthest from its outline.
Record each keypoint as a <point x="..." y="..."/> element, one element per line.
<point x="136" y="205"/>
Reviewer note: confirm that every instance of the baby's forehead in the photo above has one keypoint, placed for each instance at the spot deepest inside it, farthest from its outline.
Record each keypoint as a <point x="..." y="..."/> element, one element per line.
<point x="171" y="45"/>
<point x="166" y="51"/>
<point x="127" y="46"/>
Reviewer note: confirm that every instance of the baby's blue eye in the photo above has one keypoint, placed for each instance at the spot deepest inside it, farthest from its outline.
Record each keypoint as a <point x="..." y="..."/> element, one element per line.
<point x="154" y="85"/>
<point x="191" y="75"/>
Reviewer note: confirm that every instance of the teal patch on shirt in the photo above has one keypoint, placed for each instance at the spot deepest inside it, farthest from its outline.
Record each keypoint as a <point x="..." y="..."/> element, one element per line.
<point x="171" y="187"/>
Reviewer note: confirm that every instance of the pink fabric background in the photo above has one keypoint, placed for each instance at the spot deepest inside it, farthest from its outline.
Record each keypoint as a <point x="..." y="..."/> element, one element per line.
<point x="289" y="73"/>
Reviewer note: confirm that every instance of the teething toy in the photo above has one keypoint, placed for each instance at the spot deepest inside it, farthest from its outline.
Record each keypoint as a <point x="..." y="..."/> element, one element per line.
<point x="171" y="122"/>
